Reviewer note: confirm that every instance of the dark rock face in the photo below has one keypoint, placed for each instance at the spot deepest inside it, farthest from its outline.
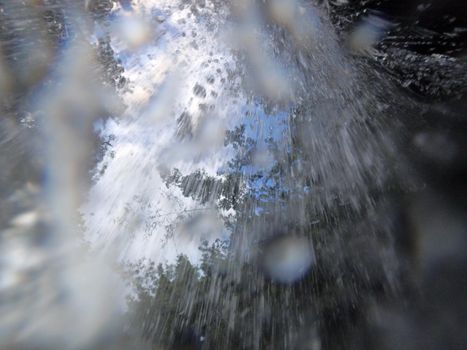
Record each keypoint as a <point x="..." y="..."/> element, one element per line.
<point x="423" y="46"/>
<point x="424" y="52"/>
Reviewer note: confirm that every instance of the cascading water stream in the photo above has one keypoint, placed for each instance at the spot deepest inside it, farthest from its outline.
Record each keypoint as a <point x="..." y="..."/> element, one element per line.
<point x="202" y="174"/>
<point x="234" y="150"/>
<point x="187" y="87"/>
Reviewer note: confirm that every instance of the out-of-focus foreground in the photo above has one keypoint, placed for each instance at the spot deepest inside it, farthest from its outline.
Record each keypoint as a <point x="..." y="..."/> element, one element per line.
<point x="206" y="174"/>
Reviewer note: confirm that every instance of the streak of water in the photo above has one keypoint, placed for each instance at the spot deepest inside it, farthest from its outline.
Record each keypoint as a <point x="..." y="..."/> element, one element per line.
<point x="251" y="184"/>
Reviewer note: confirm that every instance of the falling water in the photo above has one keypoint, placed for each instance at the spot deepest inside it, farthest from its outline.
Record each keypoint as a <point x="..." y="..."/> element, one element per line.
<point x="242" y="175"/>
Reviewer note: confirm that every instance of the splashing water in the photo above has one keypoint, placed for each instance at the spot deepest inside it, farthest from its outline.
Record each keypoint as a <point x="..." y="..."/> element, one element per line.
<point x="187" y="87"/>
<point x="253" y="186"/>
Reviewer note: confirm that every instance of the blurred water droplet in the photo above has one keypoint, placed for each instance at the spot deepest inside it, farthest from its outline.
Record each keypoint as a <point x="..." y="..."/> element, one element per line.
<point x="287" y="259"/>
<point x="133" y="31"/>
<point x="367" y="34"/>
